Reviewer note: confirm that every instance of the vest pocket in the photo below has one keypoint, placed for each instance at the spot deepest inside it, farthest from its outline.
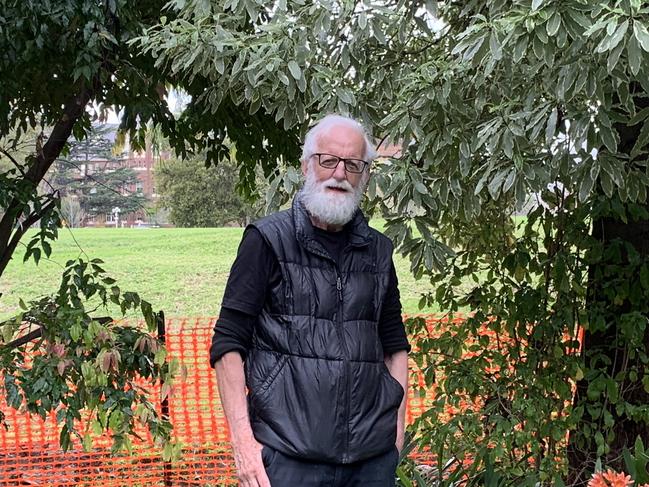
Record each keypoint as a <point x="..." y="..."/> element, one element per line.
<point x="395" y="385"/>
<point x="267" y="455"/>
<point x="262" y="390"/>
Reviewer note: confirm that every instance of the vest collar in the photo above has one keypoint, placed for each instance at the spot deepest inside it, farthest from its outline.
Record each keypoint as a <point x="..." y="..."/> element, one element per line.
<point x="359" y="230"/>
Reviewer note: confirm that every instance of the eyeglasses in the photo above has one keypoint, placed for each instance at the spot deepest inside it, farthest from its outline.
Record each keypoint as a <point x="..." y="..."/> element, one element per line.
<point x="330" y="161"/>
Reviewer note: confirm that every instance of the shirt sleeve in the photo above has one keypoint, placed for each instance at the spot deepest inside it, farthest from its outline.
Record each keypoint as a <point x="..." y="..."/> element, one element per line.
<point x="232" y="333"/>
<point x="391" y="329"/>
<point x="247" y="283"/>
<point x="244" y="296"/>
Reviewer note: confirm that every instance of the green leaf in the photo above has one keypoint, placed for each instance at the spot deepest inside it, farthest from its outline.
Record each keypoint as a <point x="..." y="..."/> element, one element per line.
<point x="551" y="127"/>
<point x="295" y="70"/>
<point x="509" y="182"/>
<point x="495" y="184"/>
<point x="64" y="438"/>
<point x="639" y="446"/>
<point x="614" y="57"/>
<point x="552" y="26"/>
<point x="520" y="48"/>
<point x="87" y="442"/>
<point x="586" y="186"/>
<point x="345" y="95"/>
<point x="47" y="248"/>
<point x="642" y="140"/>
<point x="219" y="65"/>
<point x="75" y="332"/>
<point x="634" y="55"/>
<point x="254" y="106"/>
<point x="596" y="27"/>
<point x="362" y="20"/>
<point x="160" y="357"/>
<point x="377" y="31"/>
<point x="536" y="4"/>
<point x="641" y="34"/>
<point x="495" y="47"/>
<point x="607" y="184"/>
<point x="638" y="117"/>
<point x="618" y="35"/>
<point x="283" y="78"/>
<point x="607" y="136"/>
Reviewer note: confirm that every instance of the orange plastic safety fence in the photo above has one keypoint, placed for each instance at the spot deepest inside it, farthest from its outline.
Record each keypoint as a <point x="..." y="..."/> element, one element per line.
<point x="30" y="455"/>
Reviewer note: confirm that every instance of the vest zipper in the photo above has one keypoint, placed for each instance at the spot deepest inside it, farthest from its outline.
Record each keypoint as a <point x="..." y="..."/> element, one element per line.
<point x="343" y="343"/>
<point x="347" y="372"/>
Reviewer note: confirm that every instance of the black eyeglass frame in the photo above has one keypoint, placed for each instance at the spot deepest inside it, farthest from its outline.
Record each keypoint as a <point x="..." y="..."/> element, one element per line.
<point x="338" y="159"/>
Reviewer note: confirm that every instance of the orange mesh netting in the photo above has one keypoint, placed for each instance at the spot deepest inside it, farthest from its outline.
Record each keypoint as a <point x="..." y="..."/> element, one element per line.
<point x="30" y="455"/>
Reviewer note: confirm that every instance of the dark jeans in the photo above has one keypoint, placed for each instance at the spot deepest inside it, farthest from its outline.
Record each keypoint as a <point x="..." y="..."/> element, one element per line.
<point x="285" y="471"/>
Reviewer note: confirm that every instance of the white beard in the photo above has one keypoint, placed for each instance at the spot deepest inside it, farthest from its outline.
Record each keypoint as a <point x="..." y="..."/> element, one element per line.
<point x="331" y="208"/>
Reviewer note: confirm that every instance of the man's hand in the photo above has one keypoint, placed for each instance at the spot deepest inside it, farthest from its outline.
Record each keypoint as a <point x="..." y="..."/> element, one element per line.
<point x="397" y="364"/>
<point x="400" y="436"/>
<point x="249" y="464"/>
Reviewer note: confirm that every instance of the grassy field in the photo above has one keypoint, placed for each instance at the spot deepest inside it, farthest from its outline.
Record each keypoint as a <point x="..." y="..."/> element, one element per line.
<point x="181" y="271"/>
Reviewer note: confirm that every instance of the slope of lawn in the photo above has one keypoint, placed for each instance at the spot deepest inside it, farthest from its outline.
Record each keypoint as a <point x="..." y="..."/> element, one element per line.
<point x="182" y="271"/>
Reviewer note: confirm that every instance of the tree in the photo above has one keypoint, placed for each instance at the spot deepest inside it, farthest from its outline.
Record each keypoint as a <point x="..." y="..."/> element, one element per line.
<point x="492" y="102"/>
<point x="107" y="189"/>
<point x="71" y="212"/>
<point x="199" y="196"/>
<point x="92" y="174"/>
<point x="63" y="65"/>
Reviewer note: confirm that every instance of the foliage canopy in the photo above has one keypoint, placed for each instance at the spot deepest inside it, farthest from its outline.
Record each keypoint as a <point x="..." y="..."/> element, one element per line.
<point x="493" y="102"/>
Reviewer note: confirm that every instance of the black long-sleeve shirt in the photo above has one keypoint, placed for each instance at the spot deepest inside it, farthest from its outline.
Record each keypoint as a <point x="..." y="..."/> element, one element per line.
<point x="253" y="274"/>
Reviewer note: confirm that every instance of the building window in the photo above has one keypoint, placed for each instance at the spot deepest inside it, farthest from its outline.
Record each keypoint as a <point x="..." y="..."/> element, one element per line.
<point x="139" y="187"/>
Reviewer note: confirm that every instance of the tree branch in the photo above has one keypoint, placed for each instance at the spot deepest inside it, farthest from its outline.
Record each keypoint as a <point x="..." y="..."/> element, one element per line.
<point x="18" y="233"/>
<point x="14" y="162"/>
<point x="72" y="112"/>
<point x="38" y="332"/>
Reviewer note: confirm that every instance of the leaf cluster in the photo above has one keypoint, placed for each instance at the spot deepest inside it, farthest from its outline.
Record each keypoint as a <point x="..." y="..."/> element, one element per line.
<point x="95" y="373"/>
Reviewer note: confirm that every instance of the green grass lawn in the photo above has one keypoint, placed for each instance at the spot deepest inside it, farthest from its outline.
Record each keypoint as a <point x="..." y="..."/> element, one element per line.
<point x="181" y="271"/>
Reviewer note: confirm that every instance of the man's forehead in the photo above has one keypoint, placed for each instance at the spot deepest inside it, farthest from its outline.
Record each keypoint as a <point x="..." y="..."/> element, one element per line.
<point x="341" y="136"/>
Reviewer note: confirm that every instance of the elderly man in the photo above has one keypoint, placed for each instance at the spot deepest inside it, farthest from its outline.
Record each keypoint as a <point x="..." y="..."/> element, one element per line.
<point x="311" y="325"/>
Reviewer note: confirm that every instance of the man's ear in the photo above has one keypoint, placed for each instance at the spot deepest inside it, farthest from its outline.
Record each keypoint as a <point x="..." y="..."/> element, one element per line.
<point x="305" y="166"/>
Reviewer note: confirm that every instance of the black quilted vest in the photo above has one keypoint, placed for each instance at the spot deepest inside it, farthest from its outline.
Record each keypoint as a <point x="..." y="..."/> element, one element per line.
<point x="318" y="386"/>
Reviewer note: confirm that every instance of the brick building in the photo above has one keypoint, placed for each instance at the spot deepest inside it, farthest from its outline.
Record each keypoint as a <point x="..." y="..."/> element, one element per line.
<point x="99" y="157"/>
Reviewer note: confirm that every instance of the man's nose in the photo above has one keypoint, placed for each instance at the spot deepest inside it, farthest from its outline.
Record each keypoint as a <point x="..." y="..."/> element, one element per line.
<point x="339" y="172"/>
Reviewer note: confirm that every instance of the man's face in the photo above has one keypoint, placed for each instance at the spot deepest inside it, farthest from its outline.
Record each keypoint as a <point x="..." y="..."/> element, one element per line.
<point x="341" y="141"/>
<point x="332" y="195"/>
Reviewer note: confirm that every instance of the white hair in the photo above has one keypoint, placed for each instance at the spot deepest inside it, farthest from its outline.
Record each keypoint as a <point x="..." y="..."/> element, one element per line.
<point x="311" y="138"/>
